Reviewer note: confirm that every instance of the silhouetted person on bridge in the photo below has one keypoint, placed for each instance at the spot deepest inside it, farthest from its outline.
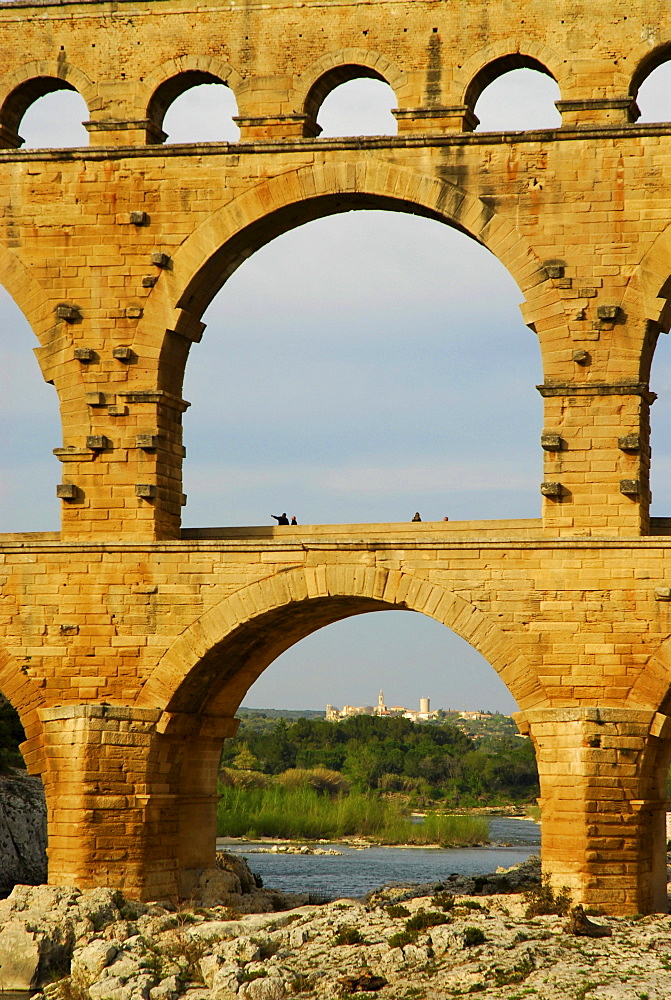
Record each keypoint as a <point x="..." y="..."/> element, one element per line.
<point x="293" y="519"/>
<point x="417" y="517"/>
<point x="281" y="518"/>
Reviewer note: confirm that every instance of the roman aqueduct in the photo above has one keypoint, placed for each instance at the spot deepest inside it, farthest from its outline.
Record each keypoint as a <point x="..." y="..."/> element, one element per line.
<point x="128" y="642"/>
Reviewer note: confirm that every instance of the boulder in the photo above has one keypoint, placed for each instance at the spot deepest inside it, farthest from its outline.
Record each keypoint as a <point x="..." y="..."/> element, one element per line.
<point x="39" y="928"/>
<point x="23" y="831"/>
<point x="238" y="866"/>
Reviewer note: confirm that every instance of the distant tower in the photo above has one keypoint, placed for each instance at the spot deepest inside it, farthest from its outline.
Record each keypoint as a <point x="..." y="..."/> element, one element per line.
<point x="424" y="706"/>
<point x="380" y="700"/>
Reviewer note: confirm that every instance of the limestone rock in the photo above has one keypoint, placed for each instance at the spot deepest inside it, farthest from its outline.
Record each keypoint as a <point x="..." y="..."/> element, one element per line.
<point x="23" y="831"/>
<point x="91" y="960"/>
<point x="271" y="988"/>
<point x="19" y="957"/>
<point x="168" y="989"/>
<point x="238" y="866"/>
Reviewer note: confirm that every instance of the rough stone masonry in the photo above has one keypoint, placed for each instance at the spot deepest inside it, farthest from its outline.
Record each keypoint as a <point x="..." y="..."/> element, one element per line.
<point x="128" y="643"/>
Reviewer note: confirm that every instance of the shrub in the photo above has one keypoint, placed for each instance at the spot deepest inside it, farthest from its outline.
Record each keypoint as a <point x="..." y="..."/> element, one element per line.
<point x="301" y="984"/>
<point x="517" y="974"/>
<point x="397" y="910"/>
<point x="249" y="975"/>
<point x="425" y="918"/>
<point x="445" y="900"/>
<point x="542" y="900"/>
<point x="396" y="783"/>
<point x="401" y="939"/>
<point x="322" y="779"/>
<point x="473" y="936"/>
<point x="231" y="778"/>
<point x="348" y="934"/>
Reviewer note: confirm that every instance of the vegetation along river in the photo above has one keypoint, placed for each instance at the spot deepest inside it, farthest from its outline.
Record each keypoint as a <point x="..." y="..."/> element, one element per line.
<point x="355" y="871"/>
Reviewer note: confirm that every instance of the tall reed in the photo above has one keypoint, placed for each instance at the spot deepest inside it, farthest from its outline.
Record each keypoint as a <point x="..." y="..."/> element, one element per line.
<point x="301" y="813"/>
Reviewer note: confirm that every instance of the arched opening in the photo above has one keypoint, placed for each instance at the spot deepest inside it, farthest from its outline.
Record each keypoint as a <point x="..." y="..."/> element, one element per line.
<point x="350" y="100"/>
<point x="660" y="431"/>
<point x="383" y="739"/>
<point x="29" y="430"/>
<point x="23" y="814"/>
<point x="408" y="655"/>
<point x="48" y="112"/>
<point x="358" y="107"/>
<point x="275" y="615"/>
<point x="195" y="106"/>
<point x="514" y="93"/>
<point x="651" y="87"/>
<point x="355" y="370"/>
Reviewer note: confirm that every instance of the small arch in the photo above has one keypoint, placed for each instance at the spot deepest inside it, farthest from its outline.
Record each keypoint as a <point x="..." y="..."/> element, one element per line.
<point x="327" y="83"/>
<point x="249" y="629"/>
<point x="497" y="68"/>
<point x="334" y="69"/>
<point x="650" y="86"/>
<point x="647" y="65"/>
<point x="176" y="77"/>
<point x="360" y="106"/>
<point x="31" y="82"/>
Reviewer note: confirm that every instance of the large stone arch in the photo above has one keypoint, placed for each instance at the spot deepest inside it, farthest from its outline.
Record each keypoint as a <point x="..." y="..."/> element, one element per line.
<point x="652" y="687"/>
<point x="208" y="669"/>
<point x="647" y="296"/>
<point x="24" y="695"/>
<point x="221" y="243"/>
<point x="31" y="298"/>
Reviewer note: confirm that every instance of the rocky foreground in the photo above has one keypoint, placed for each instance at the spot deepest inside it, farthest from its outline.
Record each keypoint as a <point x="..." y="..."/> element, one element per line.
<point x="401" y="942"/>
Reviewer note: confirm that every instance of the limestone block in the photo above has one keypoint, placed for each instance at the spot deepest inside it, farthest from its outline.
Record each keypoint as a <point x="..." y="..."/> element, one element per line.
<point x="20" y="957"/>
<point x="90" y="961"/>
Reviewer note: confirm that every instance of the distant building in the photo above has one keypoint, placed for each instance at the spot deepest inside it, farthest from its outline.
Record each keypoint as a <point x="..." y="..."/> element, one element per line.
<point x="335" y="714"/>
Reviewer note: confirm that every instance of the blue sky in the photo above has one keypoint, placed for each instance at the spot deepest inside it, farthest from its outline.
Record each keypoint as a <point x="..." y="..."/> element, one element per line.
<point x="356" y="369"/>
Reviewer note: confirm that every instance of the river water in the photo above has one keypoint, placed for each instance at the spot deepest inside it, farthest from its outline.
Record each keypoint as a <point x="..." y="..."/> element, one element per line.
<point x="355" y="872"/>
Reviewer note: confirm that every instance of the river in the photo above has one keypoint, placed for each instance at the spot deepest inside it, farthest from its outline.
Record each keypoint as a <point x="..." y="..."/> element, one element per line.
<point x="355" y="871"/>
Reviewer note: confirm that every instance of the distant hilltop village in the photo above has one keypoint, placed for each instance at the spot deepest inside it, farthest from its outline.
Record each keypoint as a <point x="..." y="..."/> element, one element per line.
<point x="424" y="714"/>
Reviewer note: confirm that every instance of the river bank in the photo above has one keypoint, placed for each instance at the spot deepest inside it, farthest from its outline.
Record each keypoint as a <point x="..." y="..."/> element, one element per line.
<point x="358" y="866"/>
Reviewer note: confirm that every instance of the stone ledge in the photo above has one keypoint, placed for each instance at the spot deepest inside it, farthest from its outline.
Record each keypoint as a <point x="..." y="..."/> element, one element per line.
<point x="567" y="133"/>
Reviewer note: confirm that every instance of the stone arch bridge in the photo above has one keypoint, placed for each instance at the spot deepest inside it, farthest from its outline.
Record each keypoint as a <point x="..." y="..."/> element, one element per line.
<point x="126" y="642"/>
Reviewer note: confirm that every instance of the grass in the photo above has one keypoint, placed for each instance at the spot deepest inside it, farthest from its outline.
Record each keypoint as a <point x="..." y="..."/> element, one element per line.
<point x="302" y="813"/>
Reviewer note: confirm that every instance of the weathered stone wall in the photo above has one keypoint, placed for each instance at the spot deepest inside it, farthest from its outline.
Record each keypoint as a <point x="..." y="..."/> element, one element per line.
<point x="178" y="631"/>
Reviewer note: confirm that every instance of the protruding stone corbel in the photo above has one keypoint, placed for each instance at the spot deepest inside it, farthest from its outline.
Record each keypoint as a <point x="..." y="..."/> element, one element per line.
<point x="660" y="726"/>
<point x="522" y="723"/>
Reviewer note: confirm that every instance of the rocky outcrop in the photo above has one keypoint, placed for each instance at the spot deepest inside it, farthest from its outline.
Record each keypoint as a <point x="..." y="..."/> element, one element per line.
<point x="429" y="947"/>
<point x="23" y="831"/>
<point x="40" y="926"/>
<point x="425" y="948"/>
<point x="519" y="878"/>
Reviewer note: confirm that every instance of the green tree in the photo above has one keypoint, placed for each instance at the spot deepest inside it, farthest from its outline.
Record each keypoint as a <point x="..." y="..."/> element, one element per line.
<point x="279" y="752"/>
<point x="245" y="760"/>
